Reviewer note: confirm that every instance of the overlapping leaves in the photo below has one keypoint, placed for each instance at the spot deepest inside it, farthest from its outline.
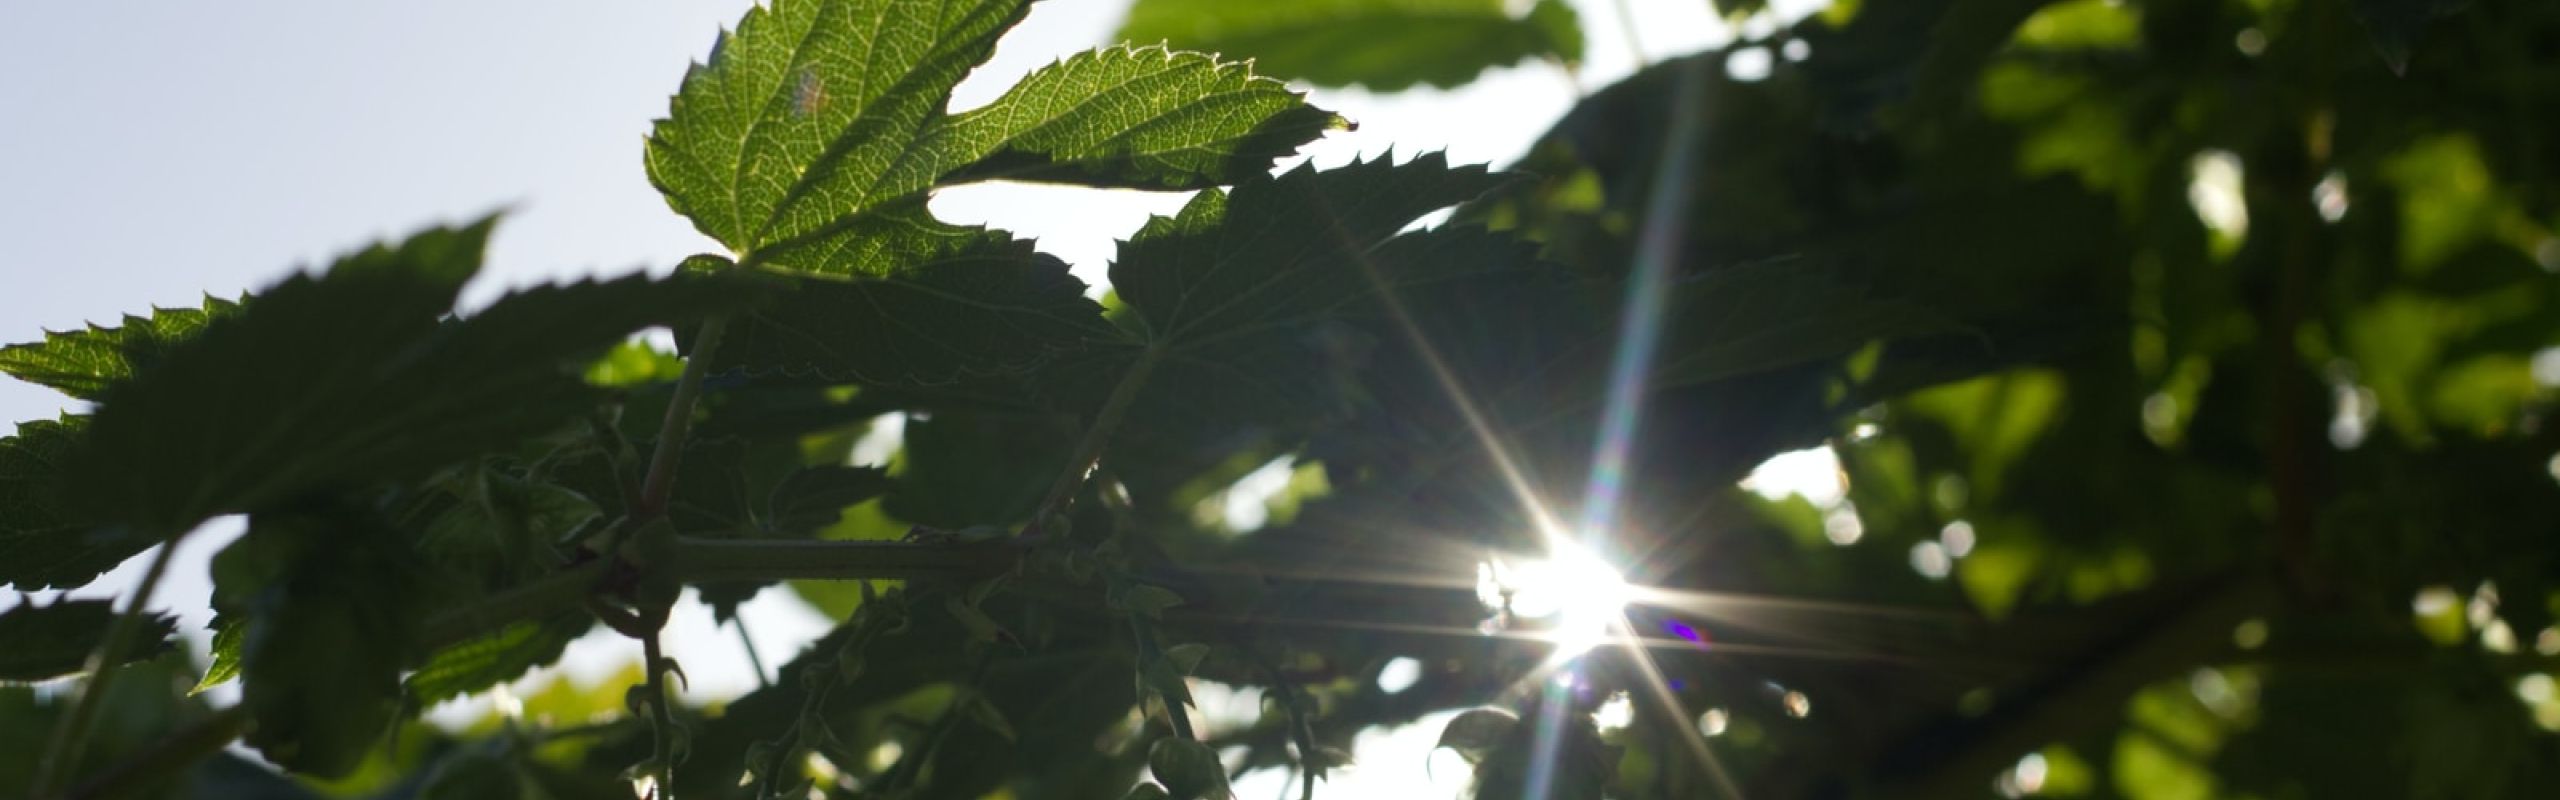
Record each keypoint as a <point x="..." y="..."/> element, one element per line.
<point x="805" y="144"/>
<point x="356" y="375"/>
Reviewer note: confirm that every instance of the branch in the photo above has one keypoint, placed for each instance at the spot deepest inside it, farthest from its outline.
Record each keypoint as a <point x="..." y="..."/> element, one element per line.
<point x="71" y="736"/>
<point x="661" y="480"/>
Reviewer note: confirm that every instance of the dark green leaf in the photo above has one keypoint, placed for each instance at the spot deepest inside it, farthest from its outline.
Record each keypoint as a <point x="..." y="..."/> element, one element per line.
<point x="978" y="468"/>
<point x="50" y="641"/>
<point x="354" y="376"/>
<point x="1385" y="45"/>
<point x="1280" y="249"/>
<point x="815" y="497"/>
<point x="498" y="657"/>
<point x="44" y="542"/>
<point x="1754" y="317"/>
<point x="84" y="363"/>
<point x="325" y="599"/>
<point x="898" y="298"/>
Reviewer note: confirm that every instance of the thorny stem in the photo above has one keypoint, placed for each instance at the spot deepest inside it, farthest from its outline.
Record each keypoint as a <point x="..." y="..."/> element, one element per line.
<point x="72" y="734"/>
<point x="1105" y="423"/>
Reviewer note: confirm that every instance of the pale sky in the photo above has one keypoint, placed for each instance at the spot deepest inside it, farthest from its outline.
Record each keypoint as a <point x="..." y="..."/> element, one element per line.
<point x="155" y="150"/>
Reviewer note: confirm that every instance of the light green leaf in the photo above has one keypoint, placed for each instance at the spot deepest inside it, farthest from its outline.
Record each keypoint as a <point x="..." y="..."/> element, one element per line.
<point x="227" y="634"/>
<point x="897" y="298"/>
<point x="44" y="542"/>
<point x="355" y="376"/>
<point x="811" y="111"/>
<point x="1385" y="45"/>
<point x="46" y="642"/>
<point x="1277" y="250"/>
<point x="500" y="656"/>
<point x="1144" y="118"/>
<point x="83" y="364"/>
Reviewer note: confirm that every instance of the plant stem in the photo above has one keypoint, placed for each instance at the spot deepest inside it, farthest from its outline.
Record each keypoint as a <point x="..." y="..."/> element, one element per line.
<point x="661" y="480"/>
<point x="1635" y="40"/>
<point x="71" y="736"/>
<point x="662" y="718"/>
<point x="1105" y="423"/>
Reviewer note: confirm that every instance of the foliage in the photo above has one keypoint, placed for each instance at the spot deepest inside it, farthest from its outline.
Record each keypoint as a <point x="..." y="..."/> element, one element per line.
<point x="2184" y="362"/>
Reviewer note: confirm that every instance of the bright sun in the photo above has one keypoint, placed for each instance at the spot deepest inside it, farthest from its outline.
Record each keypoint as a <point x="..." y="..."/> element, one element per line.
<point x="1573" y="587"/>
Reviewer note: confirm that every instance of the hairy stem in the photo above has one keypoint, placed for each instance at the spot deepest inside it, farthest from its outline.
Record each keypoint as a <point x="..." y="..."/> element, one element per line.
<point x="1105" y="424"/>
<point x="661" y="480"/>
<point x="71" y="736"/>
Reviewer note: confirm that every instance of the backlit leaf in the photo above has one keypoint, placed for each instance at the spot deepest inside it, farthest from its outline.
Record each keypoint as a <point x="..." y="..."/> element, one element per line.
<point x="1139" y="117"/>
<point x="84" y="363"/>
<point x="1385" y="45"/>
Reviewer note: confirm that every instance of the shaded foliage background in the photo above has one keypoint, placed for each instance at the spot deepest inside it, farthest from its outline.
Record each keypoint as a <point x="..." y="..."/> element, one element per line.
<point x="2184" y="362"/>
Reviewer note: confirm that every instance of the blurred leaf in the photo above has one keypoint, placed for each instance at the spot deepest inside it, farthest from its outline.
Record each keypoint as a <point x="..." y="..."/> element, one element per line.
<point x="50" y="641"/>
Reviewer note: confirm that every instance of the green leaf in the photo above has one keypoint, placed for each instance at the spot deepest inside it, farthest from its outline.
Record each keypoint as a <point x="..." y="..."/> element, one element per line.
<point x="1752" y="317"/>
<point x="1386" y="45"/>
<point x="978" y="468"/>
<point x="500" y="656"/>
<point x="44" y="543"/>
<point x="813" y="110"/>
<point x="897" y="298"/>
<point x="1273" y="250"/>
<point x="47" y="642"/>
<point x="83" y="364"/>
<point x="815" y="497"/>
<point x="356" y="376"/>
<point x="227" y="634"/>
<point x="1144" y="118"/>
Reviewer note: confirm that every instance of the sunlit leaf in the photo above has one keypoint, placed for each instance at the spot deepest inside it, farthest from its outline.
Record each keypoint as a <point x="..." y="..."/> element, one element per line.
<point x="1385" y="45"/>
